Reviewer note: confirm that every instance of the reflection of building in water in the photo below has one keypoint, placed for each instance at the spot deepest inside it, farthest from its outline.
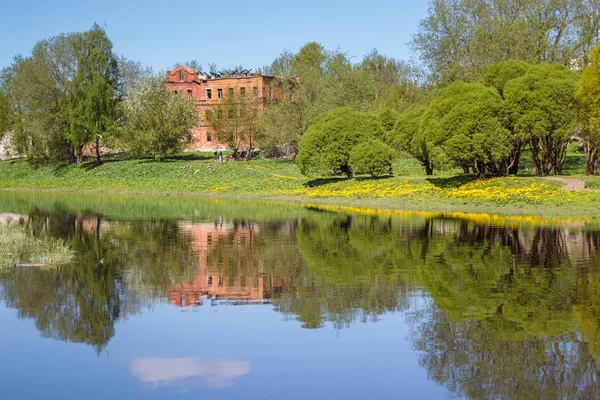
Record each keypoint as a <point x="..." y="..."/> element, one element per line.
<point x="229" y="267"/>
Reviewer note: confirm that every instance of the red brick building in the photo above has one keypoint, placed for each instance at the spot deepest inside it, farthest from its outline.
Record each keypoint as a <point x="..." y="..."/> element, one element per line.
<point x="209" y="91"/>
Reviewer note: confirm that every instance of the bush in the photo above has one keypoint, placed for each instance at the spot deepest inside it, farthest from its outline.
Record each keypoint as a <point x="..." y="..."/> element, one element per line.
<point x="325" y="147"/>
<point x="373" y="157"/>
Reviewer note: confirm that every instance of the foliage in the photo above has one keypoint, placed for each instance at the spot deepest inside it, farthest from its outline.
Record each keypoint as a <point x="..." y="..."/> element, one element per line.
<point x="387" y="119"/>
<point x="91" y="105"/>
<point x="325" y="80"/>
<point x="587" y="96"/>
<point x="62" y="96"/>
<point x="234" y="121"/>
<point x="406" y="137"/>
<point x="464" y="123"/>
<point x="461" y="39"/>
<point x="326" y="145"/>
<point x="159" y="123"/>
<point x="540" y="105"/>
<point x="372" y="157"/>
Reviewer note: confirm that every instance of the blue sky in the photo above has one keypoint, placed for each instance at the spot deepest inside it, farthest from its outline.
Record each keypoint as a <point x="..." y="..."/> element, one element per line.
<point x="229" y="33"/>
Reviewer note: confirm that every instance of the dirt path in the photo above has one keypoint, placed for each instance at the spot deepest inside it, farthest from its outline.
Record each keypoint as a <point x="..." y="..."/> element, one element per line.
<point x="570" y="184"/>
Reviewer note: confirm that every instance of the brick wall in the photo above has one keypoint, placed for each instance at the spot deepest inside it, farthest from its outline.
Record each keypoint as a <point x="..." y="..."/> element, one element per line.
<point x="196" y="85"/>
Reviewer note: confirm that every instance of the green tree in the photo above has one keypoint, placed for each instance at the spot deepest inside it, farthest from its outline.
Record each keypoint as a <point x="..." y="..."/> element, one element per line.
<point x="541" y="107"/>
<point x="325" y="80"/>
<point x="326" y="145"/>
<point x="63" y="96"/>
<point x="464" y="121"/>
<point x="461" y="39"/>
<point x="371" y="157"/>
<point x="158" y="122"/>
<point x="406" y="137"/>
<point x="235" y="121"/>
<point x="497" y="77"/>
<point x="92" y="101"/>
<point x="587" y="96"/>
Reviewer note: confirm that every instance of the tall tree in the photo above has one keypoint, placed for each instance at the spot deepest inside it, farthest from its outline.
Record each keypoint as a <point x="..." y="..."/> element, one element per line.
<point x="540" y="104"/>
<point x="587" y="96"/>
<point x="460" y="39"/>
<point x="92" y="102"/>
<point x="158" y="122"/>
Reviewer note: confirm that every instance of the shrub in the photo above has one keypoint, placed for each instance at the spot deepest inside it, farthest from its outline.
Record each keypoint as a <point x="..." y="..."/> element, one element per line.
<point x="372" y="157"/>
<point x="325" y="147"/>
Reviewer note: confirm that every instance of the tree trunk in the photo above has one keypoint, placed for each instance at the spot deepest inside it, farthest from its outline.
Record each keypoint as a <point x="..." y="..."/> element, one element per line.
<point x="515" y="157"/>
<point x="465" y="168"/>
<point x="591" y="159"/>
<point x="535" y="157"/>
<point x="79" y="154"/>
<point x="97" y="150"/>
<point x="348" y="171"/>
<point x="428" y="169"/>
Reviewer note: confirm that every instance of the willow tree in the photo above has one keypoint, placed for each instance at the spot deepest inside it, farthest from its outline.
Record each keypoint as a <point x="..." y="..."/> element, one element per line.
<point x="327" y="144"/>
<point x="465" y="123"/>
<point x="540" y="105"/>
<point x="587" y="96"/>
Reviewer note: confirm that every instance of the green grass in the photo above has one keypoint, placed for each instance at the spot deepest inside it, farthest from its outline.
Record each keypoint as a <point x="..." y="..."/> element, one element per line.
<point x="17" y="247"/>
<point x="280" y="180"/>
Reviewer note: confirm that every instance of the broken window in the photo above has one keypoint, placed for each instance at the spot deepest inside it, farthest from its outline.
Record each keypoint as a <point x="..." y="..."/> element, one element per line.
<point x="242" y="91"/>
<point x="209" y="139"/>
<point x="181" y="75"/>
<point x="189" y="94"/>
<point x="219" y="93"/>
<point x="255" y="91"/>
<point x="208" y="94"/>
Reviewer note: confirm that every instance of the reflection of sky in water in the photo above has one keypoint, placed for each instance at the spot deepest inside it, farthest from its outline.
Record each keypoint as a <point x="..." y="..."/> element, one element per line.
<point x="215" y="372"/>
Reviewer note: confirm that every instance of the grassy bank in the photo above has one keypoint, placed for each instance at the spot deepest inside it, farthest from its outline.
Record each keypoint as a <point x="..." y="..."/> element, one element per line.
<point x="280" y="180"/>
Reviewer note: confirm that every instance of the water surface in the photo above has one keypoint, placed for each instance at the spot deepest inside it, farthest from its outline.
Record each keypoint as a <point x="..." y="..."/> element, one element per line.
<point x="188" y="298"/>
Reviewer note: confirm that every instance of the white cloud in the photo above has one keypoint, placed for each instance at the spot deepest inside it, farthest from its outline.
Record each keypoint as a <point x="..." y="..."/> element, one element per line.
<point x="215" y="372"/>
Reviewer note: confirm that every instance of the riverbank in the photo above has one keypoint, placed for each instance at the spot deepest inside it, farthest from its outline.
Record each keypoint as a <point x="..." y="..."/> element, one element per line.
<point x="280" y="180"/>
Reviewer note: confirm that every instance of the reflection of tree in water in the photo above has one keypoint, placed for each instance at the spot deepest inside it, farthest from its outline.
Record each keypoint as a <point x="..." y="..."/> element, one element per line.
<point x="81" y="302"/>
<point x="469" y="360"/>
<point x="521" y="285"/>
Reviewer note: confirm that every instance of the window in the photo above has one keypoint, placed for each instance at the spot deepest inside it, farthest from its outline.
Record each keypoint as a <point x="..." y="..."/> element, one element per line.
<point x="174" y="91"/>
<point x="219" y="93"/>
<point x="231" y="92"/>
<point x="270" y="93"/>
<point x="208" y="94"/>
<point x="209" y="280"/>
<point x="255" y="91"/>
<point x="209" y="238"/>
<point x="220" y="281"/>
<point x="181" y="75"/>
<point x="243" y="91"/>
<point x="189" y="94"/>
<point x="208" y="136"/>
